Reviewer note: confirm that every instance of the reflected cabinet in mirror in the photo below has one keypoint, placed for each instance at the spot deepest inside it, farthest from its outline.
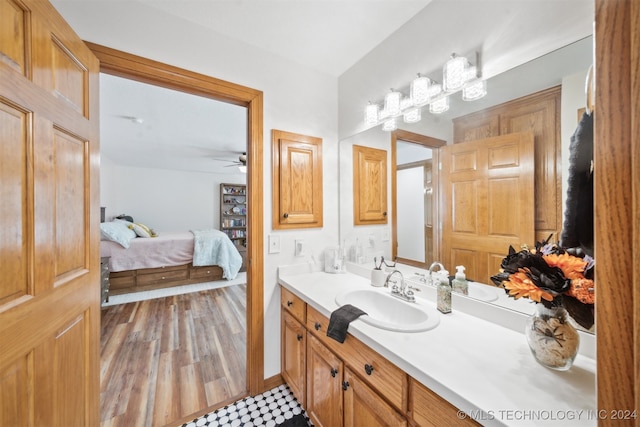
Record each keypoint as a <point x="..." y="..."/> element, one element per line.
<point x="466" y="184"/>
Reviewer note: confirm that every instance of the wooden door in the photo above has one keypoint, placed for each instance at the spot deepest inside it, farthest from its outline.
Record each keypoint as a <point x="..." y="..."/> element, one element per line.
<point x="294" y="342"/>
<point x="369" y="185"/>
<point x="364" y="407"/>
<point x="324" y="385"/>
<point x="49" y="221"/>
<point x="297" y="180"/>
<point x="488" y="202"/>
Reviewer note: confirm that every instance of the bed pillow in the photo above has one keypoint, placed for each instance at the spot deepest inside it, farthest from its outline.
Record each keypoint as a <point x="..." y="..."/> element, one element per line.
<point x="142" y="230"/>
<point x="117" y="231"/>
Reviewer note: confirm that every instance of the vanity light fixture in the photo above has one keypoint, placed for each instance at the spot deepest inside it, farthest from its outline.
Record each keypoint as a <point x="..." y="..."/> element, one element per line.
<point x="439" y="106"/>
<point x="392" y="103"/>
<point x="458" y="75"/>
<point x="475" y="90"/>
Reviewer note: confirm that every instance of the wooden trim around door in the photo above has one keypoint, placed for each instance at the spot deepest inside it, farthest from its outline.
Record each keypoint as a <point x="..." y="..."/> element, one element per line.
<point x="617" y="206"/>
<point x="148" y="71"/>
<point x="426" y="141"/>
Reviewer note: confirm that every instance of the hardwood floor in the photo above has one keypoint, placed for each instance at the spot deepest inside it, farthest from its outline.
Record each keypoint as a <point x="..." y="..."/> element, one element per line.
<point x="167" y="358"/>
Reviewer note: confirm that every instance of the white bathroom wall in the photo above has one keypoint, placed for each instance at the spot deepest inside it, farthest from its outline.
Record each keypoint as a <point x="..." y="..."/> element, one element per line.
<point x="296" y="99"/>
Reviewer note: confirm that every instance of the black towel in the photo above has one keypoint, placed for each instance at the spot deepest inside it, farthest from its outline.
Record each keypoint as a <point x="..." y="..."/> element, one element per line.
<point x="340" y="319"/>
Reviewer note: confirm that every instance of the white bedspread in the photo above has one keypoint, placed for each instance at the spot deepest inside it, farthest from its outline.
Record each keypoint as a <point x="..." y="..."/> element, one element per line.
<point x="213" y="247"/>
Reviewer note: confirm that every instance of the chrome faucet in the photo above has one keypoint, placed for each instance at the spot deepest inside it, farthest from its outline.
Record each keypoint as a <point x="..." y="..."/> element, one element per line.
<point x="402" y="291"/>
<point x="435" y="264"/>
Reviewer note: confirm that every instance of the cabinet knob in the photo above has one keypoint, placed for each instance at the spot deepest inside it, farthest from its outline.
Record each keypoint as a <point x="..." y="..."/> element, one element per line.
<point x="384" y="214"/>
<point x="317" y="326"/>
<point x="345" y="385"/>
<point x="286" y="215"/>
<point x="299" y="337"/>
<point x="368" y="368"/>
<point x="334" y="372"/>
<point x="289" y="303"/>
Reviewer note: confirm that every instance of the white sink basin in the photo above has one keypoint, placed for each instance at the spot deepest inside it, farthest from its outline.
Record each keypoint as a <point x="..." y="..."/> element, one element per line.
<point x="483" y="292"/>
<point x="477" y="290"/>
<point x="387" y="312"/>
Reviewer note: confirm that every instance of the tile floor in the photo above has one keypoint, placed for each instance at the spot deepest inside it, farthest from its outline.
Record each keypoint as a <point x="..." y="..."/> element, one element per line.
<point x="269" y="409"/>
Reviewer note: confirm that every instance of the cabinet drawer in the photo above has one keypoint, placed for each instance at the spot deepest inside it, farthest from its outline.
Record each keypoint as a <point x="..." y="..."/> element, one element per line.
<point x="122" y="279"/>
<point x="385" y="377"/>
<point x="212" y="272"/>
<point x="429" y="409"/>
<point x="163" y="276"/>
<point x="293" y="304"/>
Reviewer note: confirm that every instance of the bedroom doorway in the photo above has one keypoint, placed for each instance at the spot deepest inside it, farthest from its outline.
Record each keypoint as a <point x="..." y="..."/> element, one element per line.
<point x="139" y="69"/>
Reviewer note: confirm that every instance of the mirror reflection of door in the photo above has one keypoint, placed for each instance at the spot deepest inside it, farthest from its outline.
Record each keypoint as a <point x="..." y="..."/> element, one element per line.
<point x="414" y="198"/>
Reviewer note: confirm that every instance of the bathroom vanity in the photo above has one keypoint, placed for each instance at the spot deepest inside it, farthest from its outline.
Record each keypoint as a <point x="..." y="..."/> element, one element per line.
<point x="465" y="370"/>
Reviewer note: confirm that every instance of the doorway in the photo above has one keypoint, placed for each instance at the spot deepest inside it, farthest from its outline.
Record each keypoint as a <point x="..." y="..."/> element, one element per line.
<point x="414" y="198"/>
<point x="144" y="70"/>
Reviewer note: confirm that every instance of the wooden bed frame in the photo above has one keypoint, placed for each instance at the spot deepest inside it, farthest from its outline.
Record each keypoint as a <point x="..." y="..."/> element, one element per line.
<point x="146" y="279"/>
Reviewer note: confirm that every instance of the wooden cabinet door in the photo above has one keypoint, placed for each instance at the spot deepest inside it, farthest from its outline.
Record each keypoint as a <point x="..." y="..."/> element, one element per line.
<point x="324" y="385"/>
<point x="49" y="221"/>
<point x="427" y="409"/>
<point x="369" y="185"/>
<point x="297" y="180"/>
<point x="294" y="342"/>
<point x="487" y="201"/>
<point x="364" y="407"/>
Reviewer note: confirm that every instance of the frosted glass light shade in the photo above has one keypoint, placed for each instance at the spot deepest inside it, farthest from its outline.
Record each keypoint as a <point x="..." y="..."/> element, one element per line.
<point x="475" y="90"/>
<point x="392" y="103"/>
<point x="412" y="116"/>
<point x="420" y="90"/>
<point x="371" y="114"/>
<point x="455" y="73"/>
<point x="390" y="125"/>
<point x="439" y="106"/>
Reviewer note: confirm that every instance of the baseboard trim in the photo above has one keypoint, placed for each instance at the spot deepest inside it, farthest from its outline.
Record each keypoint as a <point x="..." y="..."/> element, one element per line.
<point x="273" y="382"/>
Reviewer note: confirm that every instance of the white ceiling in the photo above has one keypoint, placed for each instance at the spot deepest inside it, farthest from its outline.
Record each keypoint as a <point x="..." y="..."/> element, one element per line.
<point x="325" y="35"/>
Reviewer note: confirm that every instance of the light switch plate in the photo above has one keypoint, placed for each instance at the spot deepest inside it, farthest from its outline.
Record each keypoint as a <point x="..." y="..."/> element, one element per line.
<point x="274" y="244"/>
<point x="300" y="248"/>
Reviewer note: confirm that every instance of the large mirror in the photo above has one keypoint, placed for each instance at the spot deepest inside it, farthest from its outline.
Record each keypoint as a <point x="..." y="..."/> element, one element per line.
<point x="414" y="233"/>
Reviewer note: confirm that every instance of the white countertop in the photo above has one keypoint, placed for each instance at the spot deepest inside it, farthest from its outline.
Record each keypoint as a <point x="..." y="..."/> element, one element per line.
<point x="484" y="369"/>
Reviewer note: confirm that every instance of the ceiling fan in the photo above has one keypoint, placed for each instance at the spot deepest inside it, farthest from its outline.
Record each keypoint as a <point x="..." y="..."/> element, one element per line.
<point x="242" y="160"/>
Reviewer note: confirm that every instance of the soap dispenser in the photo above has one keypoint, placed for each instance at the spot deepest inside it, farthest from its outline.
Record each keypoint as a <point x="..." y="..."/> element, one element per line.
<point x="444" y="292"/>
<point x="460" y="283"/>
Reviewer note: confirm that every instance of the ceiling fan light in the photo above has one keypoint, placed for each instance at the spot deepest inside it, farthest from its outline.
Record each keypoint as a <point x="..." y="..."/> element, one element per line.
<point x="475" y="90"/>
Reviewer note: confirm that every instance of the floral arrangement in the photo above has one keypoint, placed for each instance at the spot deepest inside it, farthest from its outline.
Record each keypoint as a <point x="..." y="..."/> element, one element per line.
<point x="553" y="276"/>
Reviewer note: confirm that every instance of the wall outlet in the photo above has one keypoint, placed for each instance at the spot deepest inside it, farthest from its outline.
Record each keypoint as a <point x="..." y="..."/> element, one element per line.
<point x="300" y="247"/>
<point x="385" y="235"/>
<point x="372" y="240"/>
<point x="274" y="244"/>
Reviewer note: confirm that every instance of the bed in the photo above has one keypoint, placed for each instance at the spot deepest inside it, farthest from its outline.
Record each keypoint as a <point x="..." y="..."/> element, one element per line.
<point x="169" y="259"/>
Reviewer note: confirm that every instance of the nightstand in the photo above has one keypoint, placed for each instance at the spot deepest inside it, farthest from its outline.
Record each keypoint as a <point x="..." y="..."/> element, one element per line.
<point x="104" y="279"/>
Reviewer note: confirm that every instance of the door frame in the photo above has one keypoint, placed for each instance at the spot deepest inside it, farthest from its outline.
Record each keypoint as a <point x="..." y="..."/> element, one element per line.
<point x="428" y="142"/>
<point x="133" y="67"/>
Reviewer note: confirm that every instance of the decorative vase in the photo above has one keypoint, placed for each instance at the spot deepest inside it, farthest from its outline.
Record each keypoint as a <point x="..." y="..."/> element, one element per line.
<point x="552" y="339"/>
